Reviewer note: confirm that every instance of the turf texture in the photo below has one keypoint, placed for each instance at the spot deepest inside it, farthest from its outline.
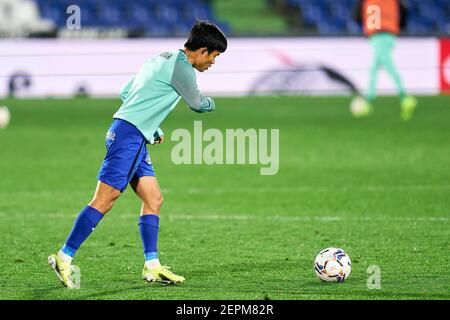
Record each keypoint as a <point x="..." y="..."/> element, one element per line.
<point x="377" y="187"/>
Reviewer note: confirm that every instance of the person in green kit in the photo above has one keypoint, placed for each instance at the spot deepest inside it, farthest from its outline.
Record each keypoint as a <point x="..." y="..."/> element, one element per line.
<point x="382" y="21"/>
<point x="148" y="98"/>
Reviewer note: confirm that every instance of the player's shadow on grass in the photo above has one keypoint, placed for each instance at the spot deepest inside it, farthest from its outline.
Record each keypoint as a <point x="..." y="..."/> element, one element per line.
<point x="42" y="293"/>
<point x="81" y="294"/>
<point x="145" y="288"/>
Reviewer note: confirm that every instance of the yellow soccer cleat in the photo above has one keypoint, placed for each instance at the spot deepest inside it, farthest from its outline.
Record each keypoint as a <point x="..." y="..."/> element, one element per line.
<point x="160" y="274"/>
<point x="409" y="105"/>
<point x="63" y="270"/>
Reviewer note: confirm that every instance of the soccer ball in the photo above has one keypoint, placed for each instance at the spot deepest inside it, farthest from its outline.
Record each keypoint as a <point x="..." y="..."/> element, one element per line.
<point x="5" y="116"/>
<point x="359" y="107"/>
<point x="332" y="265"/>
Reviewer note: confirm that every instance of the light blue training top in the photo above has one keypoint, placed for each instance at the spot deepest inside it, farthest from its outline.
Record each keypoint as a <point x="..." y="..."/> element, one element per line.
<point x="155" y="90"/>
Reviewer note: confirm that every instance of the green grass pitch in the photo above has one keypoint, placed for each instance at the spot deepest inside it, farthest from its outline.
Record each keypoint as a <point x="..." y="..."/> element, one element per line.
<point x="377" y="187"/>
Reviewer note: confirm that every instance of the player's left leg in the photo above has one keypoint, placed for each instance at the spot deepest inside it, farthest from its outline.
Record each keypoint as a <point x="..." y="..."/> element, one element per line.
<point x="386" y="44"/>
<point x="408" y="103"/>
<point x="147" y="188"/>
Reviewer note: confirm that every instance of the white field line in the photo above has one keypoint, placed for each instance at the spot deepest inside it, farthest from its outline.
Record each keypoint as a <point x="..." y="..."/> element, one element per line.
<point x="271" y="189"/>
<point x="247" y="217"/>
<point x="300" y="218"/>
<point x="301" y="189"/>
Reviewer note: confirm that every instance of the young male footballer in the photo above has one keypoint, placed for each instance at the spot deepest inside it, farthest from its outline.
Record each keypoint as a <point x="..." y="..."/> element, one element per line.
<point x="148" y="98"/>
<point x="382" y="21"/>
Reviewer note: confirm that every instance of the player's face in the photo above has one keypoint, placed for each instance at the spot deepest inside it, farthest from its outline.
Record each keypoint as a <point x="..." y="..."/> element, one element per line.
<point x="206" y="60"/>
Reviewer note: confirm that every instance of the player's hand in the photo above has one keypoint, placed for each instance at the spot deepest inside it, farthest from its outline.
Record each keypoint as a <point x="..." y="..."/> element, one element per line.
<point x="160" y="140"/>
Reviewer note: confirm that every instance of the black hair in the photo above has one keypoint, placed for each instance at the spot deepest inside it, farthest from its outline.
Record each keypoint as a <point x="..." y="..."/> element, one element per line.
<point x="206" y="34"/>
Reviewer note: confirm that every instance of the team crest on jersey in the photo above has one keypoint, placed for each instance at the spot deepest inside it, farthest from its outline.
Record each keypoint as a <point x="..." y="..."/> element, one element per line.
<point x="148" y="160"/>
<point x="111" y="135"/>
<point x="166" y="55"/>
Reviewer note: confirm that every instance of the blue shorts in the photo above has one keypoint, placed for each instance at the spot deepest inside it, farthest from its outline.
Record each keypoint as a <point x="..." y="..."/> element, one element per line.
<point x="126" y="157"/>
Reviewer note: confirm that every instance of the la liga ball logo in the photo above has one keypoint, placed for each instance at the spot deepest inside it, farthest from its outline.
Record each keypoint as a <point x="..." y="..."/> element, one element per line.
<point x="332" y="265"/>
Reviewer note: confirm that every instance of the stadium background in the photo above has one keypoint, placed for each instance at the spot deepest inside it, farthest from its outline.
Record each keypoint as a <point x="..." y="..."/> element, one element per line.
<point x="376" y="187"/>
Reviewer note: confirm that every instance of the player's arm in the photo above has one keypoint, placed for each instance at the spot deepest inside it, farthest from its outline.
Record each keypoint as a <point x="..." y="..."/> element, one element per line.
<point x="125" y="89"/>
<point x="185" y="83"/>
<point x="158" y="136"/>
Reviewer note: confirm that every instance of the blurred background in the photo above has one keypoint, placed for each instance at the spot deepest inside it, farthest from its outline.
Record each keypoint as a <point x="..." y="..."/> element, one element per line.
<point x="154" y="18"/>
<point x="91" y="47"/>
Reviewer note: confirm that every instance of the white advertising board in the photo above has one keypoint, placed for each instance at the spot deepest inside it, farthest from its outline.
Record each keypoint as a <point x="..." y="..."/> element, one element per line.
<point x="250" y="65"/>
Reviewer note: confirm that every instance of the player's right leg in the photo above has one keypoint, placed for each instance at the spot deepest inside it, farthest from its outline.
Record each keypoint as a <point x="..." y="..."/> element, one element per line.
<point x="124" y="144"/>
<point x="87" y="220"/>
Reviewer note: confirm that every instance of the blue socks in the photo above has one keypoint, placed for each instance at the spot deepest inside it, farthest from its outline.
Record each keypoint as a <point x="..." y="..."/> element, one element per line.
<point x="88" y="219"/>
<point x="148" y="227"/>
<point x="85" y="223"/>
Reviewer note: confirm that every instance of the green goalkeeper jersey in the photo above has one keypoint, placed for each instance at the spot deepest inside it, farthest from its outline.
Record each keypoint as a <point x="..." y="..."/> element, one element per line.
<point x="155" y="90"/>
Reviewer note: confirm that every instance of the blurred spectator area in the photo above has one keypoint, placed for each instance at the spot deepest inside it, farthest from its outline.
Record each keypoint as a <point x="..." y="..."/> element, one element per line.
<point x="21" y="18"/>
<point x="334" y="17"/>
<point x="252" y="18"/>
<point x="140" y="18"/>
<point x="168" y="18"/>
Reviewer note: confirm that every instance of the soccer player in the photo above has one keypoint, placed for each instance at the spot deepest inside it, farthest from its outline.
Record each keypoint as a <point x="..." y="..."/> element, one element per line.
<point x="148" y="98"/>
<point x="382" y="21"/>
